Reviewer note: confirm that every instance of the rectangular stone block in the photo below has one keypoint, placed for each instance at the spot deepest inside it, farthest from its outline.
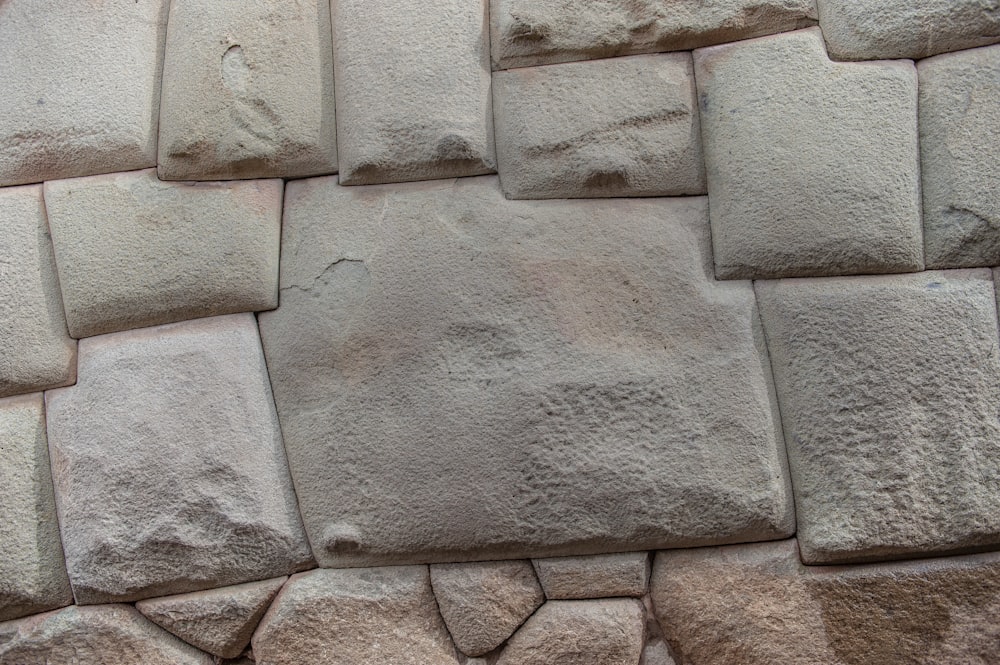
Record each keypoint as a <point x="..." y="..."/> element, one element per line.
<point x="598" y="576"/>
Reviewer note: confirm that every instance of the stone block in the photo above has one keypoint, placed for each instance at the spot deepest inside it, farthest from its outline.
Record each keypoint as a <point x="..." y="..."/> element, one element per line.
<point x="813" y="166"/>
<point x="598" y="576"/>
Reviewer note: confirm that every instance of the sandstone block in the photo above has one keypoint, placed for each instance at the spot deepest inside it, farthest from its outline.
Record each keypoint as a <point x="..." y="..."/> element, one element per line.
<point x="134" y="251"/>
<point x="889" y="389"/>
<point x="813" y="166"/>
<point x="168" y="465"/>
<point x="599" y="576"/>
<point x="617" y="127"/>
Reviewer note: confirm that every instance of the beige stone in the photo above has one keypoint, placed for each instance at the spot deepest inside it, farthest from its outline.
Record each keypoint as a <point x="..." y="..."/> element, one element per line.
<point x="598" y="576"/>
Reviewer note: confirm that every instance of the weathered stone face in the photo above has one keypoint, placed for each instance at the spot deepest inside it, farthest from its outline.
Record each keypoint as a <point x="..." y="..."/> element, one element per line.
<point x="599" y="576"/>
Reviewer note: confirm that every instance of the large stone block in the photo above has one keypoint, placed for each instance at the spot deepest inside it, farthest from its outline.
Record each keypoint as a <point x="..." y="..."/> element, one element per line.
<point x="134" y="251"/>
<point x="168" y="466"/>
<point x="889" y="389"/>
<point x="247" y="91"/>
<point x="813" y="166"/>
<point x="535" y="378"/>
<point x="616" y="127"/>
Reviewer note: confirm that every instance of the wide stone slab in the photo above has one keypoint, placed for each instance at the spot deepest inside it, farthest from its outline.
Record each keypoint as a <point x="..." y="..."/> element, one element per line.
<point x="616" y="127"/>
<point x="168" y="465"/>
<point x="889" y="389"/>
<point x="134" y="251"/>
<point x="813" y="166"/>
<point x="247" y="91"/>
<point x="596" y="576"/>
<point x="535" y="378"/>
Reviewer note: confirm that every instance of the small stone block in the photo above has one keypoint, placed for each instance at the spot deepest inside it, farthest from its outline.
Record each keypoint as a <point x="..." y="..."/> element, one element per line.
<point x="599" y="576"/>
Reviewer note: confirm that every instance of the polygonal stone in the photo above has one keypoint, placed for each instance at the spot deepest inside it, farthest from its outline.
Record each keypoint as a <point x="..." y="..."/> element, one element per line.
<point x="803" y="180"/>
<point x="413" y="90"/>
<point x="600" y="576"/>
<point x="168" y="465"/>
<point x="134" y="251"/>
<point x="247" y="91"/>
<point x="617" y="127"/>
<point x="960" y="157"/>
<point x="588" y="388"/>
<point x="80" y="87"/>
<point x="889" y="389"/>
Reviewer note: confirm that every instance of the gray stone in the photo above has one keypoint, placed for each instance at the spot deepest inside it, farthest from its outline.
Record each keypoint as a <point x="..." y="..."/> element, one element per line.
<point x="616" y="127"/>
<point x="168" y="465"/>
<point x="247" y="91"/>
<point x="813" y="166"/>
<point x="537" y="378"/>
<point x="600" y="576"/>
<point x="889" y="389"/>
<point x="484" y="603"/>
<point x="80" y="87"/>
<point x="413" y="90"/>
<point x="133" y="251"/>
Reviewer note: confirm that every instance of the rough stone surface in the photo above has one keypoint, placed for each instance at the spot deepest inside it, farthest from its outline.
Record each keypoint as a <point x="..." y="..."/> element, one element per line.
<point x="535" y="32"/>
<point x="537" y="378"/>
<point x="616" y="127"/>
<point x="80" y="87"/>
<point x="36" y="352"/>
<point x="960" y="157"/>
<point x="600" y="576"/>
<point x="133" y="251"/>
<point x="347" y="617"/>
<point x="247" y="91"/>
<point x="413" y="90"/>
<point x="889" y="389"/>
<point x="484" y="603"/>
<point x="219" y="621"/>
<point x="813" y="166"/>
<point x="168" y="465"/>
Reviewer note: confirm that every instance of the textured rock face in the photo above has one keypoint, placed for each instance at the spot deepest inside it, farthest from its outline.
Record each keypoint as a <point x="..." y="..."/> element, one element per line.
<point x="134" y="251"/>
<point x="617" y="127"/>
<point x="168" y="464"/>
<point x="601" y="576"/>
<point x="537" y="378"/>
<point x="802" y="180"/>
<point x="80" y="87"/>
<point x="889" y="390"/>
<point x="247" y="91"/>
<point x="413" y="90"/>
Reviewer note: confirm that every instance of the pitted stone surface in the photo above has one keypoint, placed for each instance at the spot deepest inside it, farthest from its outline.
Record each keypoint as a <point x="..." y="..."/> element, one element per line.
<point x="599" y="576"/>
<point x="960" y="157"/>
<point x="80" y="87"/>
<point x="413" y="90"/>
<point x="889" y="389"/>
<point x="134" y="251"/>
<point x="168" y="465"/>
<point x="247" y="91"/>
<point x="537" y="378"/>
<point x="813" y="166"/>
<point x="616" y="127"/>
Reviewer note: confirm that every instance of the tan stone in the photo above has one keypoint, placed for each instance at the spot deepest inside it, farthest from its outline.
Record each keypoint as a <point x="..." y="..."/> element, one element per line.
<point x="599" y="576"/>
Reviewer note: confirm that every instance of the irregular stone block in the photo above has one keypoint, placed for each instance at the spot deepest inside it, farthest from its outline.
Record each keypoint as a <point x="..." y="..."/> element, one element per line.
<point x="81" y="87"/>
<point x="617" y="127"/>
<point x="413" y="90"/>
<point x="804" y="181"/>
<point x="588" y="388"/>
<point x="960" y="157"/>
<point x="168" y="465"/>
<point x="247" y="91"/>
<point x="889" y="391"/>
<point x="134" y="251"/>
<point x="600" y="576"/>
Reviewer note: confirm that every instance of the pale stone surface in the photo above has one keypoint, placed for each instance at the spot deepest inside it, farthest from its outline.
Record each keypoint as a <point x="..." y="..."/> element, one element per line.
<point x="484" y="603"/>
<point x="36" y="351"/>
<point x="537" y="378"/>
<point x="535" y="32"/>
<point x="168" y="465"/>
<point x="599" y="576"/>
<point x="960" y="157"/>
<point x="32" y="571"/>
<point x="413" y="90"/>
<point x="80" y="87"/>
<point x="813" y="166"/>
<point x="348" y="617"/>
<point x="219" y="621"/>
<point x="247" y="91"/>
<point x="133" y="251"/>
<point x="889" y="389"/>
<point x="616" y="127"/>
